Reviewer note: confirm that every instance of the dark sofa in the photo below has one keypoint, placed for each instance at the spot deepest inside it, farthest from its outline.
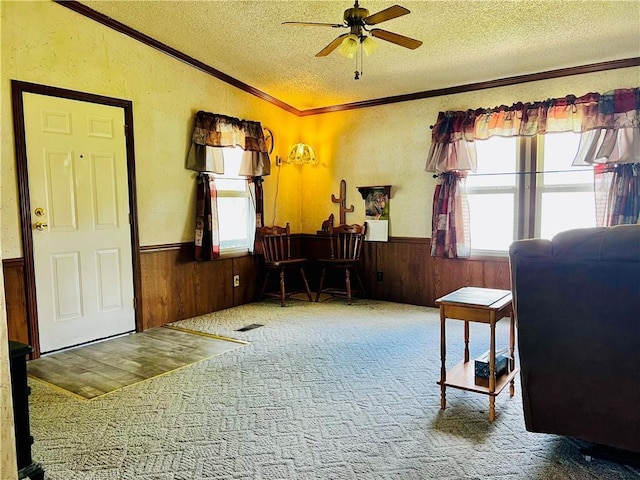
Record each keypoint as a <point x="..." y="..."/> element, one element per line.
<point x="577" y="305"/>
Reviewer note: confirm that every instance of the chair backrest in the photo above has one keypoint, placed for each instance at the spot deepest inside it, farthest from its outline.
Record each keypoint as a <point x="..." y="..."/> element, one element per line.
<point x="346" y="241"/>
<point x="276" y="243"/>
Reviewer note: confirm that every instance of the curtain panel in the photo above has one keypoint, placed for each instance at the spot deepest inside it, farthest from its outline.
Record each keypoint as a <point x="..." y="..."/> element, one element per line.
<point x="207" y="237"/>
<point x="212" y="132"/>
<point x="450" y="238"/>
<point x="617" y="191"/>
<point x="259" y="196"/>
<point x="252" y="213"/>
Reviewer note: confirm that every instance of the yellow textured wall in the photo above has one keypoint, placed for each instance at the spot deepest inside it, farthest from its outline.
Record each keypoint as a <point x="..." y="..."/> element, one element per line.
<point x="45" y="43"/>
<point x="388" y="145"/>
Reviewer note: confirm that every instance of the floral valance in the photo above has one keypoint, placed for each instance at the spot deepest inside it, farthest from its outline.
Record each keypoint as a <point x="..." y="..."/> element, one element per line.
<point x="212" y="132"/>
<point x="617" y="111"/>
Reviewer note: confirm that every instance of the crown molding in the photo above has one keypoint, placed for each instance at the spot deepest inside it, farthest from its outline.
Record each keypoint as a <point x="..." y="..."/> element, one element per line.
<point x="470" y="87"/>
<point x="172" y="52"/>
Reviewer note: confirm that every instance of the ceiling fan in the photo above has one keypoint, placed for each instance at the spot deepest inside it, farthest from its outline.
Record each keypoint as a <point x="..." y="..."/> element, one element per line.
<point x="357" y="20"/>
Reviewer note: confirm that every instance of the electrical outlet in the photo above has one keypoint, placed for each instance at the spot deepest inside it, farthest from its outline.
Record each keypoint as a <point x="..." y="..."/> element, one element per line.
<point x="236" y="280"/>
<point x="379" y="275"/>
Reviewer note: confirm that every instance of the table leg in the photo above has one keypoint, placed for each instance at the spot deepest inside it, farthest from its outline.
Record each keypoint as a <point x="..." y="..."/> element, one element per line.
<point x="492" y="368"/>
<point x="512" y="351"/>
<point x="443" y="355"/>
<point x="466" y="341"/>
<point x="492" y="408"/>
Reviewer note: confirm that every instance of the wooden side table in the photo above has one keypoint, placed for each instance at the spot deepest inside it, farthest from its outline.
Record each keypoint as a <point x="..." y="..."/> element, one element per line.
<point x="484" y="305"/>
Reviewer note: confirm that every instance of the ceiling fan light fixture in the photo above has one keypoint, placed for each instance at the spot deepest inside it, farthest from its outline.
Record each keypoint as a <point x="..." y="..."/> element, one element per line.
<point x="349" y="46"/>
<point x="369" y="45"/>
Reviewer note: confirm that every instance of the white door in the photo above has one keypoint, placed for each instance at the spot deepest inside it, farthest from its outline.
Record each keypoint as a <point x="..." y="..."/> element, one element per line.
<point x="77" y="164"/>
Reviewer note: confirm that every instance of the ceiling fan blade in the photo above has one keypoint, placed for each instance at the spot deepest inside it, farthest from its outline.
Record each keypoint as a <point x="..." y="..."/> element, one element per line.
<point x="395" y="38"/>
<point x="315" y="24"/>
<point x="332" y="46"/>
<point x="387" y="14"/>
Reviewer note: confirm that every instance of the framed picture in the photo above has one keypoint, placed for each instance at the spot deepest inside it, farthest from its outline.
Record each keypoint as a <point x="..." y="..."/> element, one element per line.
<point x="376" y="201"/>
<point x="376" y="209"/>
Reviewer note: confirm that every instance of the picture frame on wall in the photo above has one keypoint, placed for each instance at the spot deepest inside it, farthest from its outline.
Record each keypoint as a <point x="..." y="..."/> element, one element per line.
<point x="377" y="206"/>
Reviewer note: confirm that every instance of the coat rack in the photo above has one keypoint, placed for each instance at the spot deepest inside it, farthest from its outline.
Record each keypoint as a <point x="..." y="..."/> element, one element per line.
<point x="342" y="201"/>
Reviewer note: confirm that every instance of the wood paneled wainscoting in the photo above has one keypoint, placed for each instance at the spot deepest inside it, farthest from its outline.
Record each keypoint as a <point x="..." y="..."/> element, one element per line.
<point x="410" y="274"/>
<point x="15" y="299"/>
<point x="174" y="286"/>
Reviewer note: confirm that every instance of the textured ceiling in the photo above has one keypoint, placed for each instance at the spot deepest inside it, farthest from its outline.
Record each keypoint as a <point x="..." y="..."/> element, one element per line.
<point x="464" y="42"/>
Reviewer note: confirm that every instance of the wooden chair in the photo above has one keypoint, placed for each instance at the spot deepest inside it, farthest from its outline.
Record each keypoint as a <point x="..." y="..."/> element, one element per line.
<point x="276" y="247"/>
<point x="346" y="245"/>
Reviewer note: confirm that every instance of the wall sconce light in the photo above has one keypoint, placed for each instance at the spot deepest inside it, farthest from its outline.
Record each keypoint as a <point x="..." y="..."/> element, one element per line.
<point x="302" y="154"/>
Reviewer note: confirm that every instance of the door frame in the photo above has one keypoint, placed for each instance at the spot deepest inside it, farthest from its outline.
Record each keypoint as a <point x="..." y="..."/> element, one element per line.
<point x="17" y="89"/>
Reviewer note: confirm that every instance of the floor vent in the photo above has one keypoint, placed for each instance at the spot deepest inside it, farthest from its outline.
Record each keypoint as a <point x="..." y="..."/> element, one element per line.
<point x="249" y="327"/>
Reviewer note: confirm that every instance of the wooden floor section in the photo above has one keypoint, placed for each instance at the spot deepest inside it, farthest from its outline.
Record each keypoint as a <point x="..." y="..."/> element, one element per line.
<point x="100" y="368"/>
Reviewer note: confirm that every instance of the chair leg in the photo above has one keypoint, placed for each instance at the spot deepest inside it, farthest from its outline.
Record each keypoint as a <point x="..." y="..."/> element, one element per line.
<point x="282" y="292"/>
<point x="347" y="279"/>
<point x="306" y="284"/>
<point x="320" y="284"/>
<point x="264" y="284"/>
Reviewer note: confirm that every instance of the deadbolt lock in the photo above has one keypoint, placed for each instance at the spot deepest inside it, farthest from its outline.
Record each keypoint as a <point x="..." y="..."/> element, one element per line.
<point x="39" y="212"/>
<point x="41" y="226"/>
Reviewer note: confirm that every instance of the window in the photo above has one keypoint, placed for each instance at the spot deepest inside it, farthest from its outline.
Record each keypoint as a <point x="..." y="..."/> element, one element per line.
<point x="492" y="193"/>
<point x="236" y="212"/>
<point x="565" y="196"/>
<point x="527" y="188"/>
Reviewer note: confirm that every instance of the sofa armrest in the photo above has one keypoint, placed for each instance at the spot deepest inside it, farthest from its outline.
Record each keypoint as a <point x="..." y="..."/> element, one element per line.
<point x="534" y="247"/>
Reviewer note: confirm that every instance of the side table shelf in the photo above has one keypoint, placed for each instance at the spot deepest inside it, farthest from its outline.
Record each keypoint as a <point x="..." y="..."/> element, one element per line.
<point x="482" y="305"/>
<point x="462" y="376"/>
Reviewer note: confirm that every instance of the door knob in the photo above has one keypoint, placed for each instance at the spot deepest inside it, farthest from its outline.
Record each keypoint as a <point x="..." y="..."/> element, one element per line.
<point x="40" y="226"/>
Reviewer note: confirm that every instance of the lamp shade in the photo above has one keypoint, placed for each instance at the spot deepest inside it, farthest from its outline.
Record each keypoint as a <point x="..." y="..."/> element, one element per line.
<point x="349" y="46"/>
<point x="301" y="153"/>
<point x="369" y="45"/>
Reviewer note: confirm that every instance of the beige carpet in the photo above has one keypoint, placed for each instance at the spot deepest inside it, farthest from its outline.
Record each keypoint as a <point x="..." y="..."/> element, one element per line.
<point x="94" y="370"/>
<point x="323" y="391"/>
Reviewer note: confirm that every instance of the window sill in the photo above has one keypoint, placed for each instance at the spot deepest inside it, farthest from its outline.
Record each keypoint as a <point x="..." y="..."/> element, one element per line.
<point x="234" y="253"/>
<point x="489" y="255"/>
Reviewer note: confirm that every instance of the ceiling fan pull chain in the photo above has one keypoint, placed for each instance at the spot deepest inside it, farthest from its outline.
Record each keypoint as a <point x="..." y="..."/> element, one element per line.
<point x="358" y="74"/>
